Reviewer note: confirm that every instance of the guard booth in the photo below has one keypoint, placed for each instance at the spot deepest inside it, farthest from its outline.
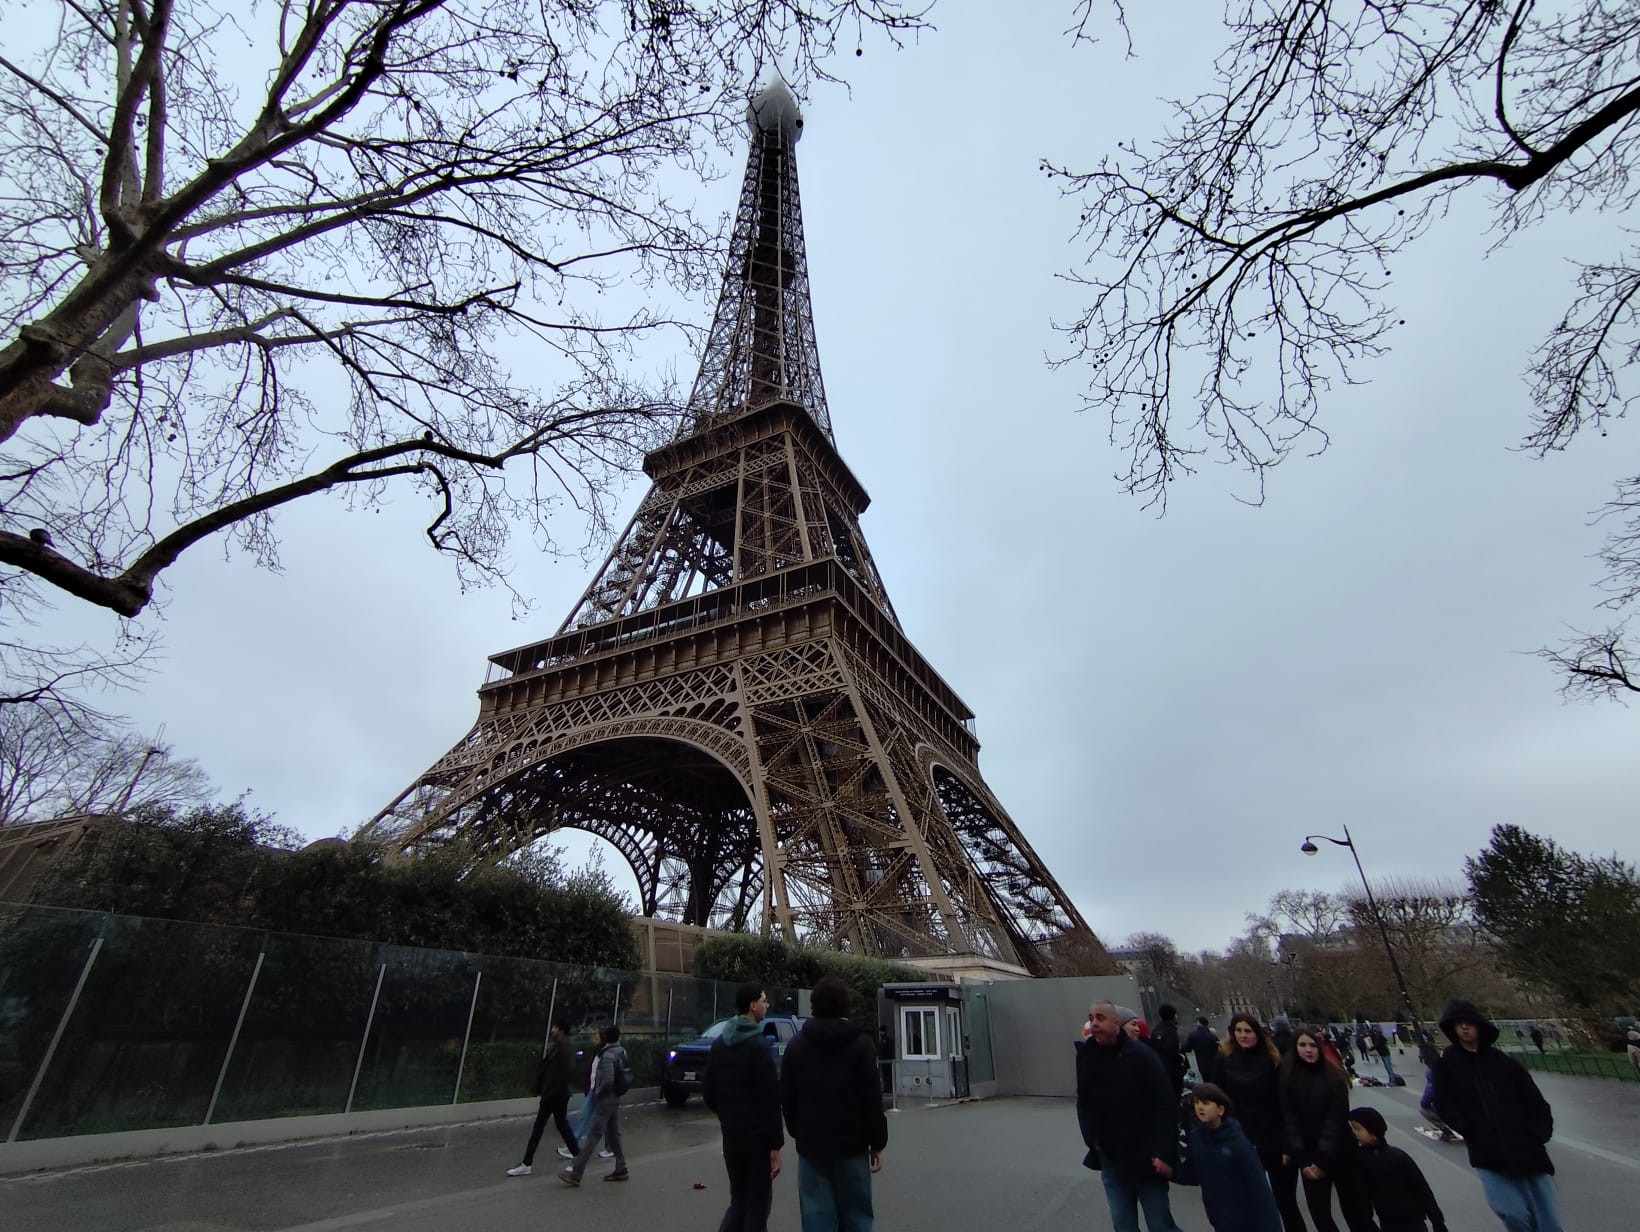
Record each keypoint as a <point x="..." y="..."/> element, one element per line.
<point x="928" y="1028"/>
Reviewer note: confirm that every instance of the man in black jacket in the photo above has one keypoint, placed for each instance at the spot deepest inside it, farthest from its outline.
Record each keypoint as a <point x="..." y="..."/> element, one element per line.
<point x="1164" y="1038"/>
<point x="1203" y="1043"/>
<point x="552" y="1080"/>
<point x="743" y="1088"/>
<point x="1129" y="1121"/>
<point x="834" y="1112"/>
<point x="1488" y="1097"/>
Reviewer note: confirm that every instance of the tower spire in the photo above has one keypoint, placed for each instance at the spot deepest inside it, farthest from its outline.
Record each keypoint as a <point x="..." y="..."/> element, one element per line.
<point x="761" y="348"/>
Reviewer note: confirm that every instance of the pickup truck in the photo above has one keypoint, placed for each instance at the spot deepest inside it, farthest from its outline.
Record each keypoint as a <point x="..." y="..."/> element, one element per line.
<point x="684" y="1073"/>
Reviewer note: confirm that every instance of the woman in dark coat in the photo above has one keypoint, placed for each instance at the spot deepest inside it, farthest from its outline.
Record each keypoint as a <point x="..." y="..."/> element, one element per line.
<point x="1316" y="1137"/>
<point x="1245" y="1070"/>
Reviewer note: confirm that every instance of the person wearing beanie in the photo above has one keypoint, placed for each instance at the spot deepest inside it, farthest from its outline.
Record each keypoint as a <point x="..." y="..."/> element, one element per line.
<point x="1129" y="1121"/>
<point x="1487" y="1096"/>
<point x="1235" y="1192"/>
<point x="1400" y="1196"/>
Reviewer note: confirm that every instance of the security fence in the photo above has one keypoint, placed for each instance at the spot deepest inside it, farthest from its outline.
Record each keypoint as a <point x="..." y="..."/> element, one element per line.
<point x="111" y="1023"/>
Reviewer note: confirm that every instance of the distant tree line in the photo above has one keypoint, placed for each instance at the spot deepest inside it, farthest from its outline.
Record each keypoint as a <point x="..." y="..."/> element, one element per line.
<point x="1534" y="931"/>
<point x="226" y="865"/>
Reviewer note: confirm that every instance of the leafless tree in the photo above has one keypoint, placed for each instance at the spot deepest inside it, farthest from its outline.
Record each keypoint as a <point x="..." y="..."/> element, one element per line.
<point x="250" y="254"/>
<point x="51" y="768"/>
<point x="1241" y="266"/>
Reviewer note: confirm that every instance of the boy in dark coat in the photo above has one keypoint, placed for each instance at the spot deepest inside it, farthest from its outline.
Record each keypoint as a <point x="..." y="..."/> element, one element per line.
<point x="743" y="1088"/>
<point x="1488" y="1097"/>
<point x="1400" y="1195"/>
<point x="1235" y="1190"/>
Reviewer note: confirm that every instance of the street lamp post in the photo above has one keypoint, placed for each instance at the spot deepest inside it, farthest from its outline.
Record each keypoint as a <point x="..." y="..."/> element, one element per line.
<point x="1309" y="848"/>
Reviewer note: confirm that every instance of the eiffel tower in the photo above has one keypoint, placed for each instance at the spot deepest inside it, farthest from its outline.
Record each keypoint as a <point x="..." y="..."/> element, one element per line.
<point x="732" y="703"/>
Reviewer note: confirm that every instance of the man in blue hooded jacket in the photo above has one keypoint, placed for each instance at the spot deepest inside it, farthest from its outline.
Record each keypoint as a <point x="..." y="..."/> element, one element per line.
<point x="743" y="1088"/>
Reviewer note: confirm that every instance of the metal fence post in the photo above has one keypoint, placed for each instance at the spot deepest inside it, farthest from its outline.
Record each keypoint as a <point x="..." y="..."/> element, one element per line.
<point x="471" y="1010"/>
<point x="552" y="1007"/>
<point x="56" y="1038"/>
<point x="365" y="1038"/>
<point x="233" y="1040"/>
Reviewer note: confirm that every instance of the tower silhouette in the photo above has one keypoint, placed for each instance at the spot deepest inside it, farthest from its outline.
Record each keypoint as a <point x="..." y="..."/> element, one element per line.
<point x="732" y="703"/>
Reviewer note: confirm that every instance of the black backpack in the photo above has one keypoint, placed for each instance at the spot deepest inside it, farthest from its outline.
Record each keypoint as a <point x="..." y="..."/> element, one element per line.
<point x="623" y="1075"/>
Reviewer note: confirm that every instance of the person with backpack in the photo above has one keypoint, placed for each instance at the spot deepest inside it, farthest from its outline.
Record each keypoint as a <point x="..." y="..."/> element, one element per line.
<point x="611" y="1079"/>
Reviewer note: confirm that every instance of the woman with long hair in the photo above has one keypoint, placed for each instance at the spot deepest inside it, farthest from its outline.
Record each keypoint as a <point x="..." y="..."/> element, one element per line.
<point x="1315" y="1107"/>
<point x="1246" y="1070"/>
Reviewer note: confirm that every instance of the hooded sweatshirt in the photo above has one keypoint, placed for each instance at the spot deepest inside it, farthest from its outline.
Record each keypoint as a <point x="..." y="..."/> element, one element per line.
<point x="1489" y="1098"/>
<point x="831" y="1093"/>
<point x="743" y="1088"/>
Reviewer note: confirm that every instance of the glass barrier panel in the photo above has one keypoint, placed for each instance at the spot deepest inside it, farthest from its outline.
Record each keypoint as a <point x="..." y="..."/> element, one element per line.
<point x="302" y="1030"/>
<point x="414" y="1049"/>
<point x="147" y="1039"/>
<point x="42" y="954"/>
<point x="509" y="1031"/>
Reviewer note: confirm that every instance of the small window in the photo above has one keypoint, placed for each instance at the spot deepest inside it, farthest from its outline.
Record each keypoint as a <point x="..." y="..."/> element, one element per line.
<point x="920" y="1033"/>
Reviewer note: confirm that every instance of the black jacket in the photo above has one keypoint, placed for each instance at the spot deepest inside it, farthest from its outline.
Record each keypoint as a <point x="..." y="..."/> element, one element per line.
<point x="1315" y="1117"/>
<point x="831" y="1093"/>
<point x="552" y="1078"/>
<point x="1205" y="1045"/>
<point x="1125" y="1105"/>
<point x="1400" y="1195"/>
<point x="1489" y="1098"/>
<point x="1164" y="1038"/>
<point x="1248" y="1077"/>
<point x="743" y="1088"/>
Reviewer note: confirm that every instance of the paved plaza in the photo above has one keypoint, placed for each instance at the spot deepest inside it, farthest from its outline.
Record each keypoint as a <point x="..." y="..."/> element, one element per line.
<point x="1011" y="1164"/>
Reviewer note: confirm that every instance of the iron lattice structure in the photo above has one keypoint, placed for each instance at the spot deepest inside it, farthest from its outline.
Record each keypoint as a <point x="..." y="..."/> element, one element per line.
<point x="732" y="703"/>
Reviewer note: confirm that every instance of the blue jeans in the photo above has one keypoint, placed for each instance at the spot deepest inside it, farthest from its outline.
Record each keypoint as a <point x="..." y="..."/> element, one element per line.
<point x="1127" y="1196"/>
<point x="1524" y="1203"/>
<point x="834" y="1195"/>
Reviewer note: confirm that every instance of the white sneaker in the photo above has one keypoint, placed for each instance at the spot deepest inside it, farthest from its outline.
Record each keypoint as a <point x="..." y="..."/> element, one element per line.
<point x="606" y="1154"/>
<point x="521" y="1170"/>
<point x="563" y="1153"/>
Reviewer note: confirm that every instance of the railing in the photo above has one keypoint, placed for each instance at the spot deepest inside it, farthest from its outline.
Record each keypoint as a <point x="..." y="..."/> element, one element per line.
<point x="1583" y="1064"/>
<point x="112" y="1023"/>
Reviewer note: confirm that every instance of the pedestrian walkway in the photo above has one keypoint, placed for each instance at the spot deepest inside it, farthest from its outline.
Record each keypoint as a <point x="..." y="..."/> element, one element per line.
<point x="1006" y="1163"/>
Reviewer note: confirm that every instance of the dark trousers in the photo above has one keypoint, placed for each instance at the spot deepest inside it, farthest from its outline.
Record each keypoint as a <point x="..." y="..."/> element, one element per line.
<point x="1352" y="1200"/>
<point x="1284" y="1185"/>
<point x="751" y="1188"/>
<point x="557" y="1111"/>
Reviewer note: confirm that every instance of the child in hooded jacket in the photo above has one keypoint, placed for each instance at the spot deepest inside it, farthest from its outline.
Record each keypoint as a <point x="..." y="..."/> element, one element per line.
<point x="1395" y="1185"/>
<point x="1222" y="1160"/>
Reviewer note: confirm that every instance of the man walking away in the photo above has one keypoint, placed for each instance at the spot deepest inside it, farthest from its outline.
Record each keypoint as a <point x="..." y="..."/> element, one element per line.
<point x="1489" y="1098"/>
<point x="743" y="1088"/>
<point x="834" y="1113"/>
<point x="552" y="1081"/>
<point x="1203" y="1043"/>
<point x="1129" y="1121"/>
<point x="1164" y="1038"/>
<point x="611" y="1077"/>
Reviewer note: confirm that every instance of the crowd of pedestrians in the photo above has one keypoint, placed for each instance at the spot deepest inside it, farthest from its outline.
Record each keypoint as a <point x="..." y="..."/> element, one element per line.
<point x="1269" y="1116"/>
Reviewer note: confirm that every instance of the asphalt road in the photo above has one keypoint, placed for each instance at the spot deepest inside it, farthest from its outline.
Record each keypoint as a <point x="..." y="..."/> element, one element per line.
<point x="1010" y="1164"/>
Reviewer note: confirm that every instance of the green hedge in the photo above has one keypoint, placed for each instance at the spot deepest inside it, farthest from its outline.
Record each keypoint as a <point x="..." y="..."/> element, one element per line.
<point x="747" y="959"/>
<point x="1582" y="1064"/>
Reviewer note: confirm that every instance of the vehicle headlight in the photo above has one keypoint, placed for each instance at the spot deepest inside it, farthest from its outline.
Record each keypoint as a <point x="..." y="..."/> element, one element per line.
<point x="672" y="1055"/>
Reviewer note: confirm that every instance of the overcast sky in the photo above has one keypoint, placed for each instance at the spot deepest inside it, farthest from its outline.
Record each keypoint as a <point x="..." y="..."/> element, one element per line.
<point x="1166" y="706"/>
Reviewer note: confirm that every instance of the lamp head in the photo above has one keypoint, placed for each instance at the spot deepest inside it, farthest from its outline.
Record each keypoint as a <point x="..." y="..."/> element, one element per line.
<point x="1309" y="848"/>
